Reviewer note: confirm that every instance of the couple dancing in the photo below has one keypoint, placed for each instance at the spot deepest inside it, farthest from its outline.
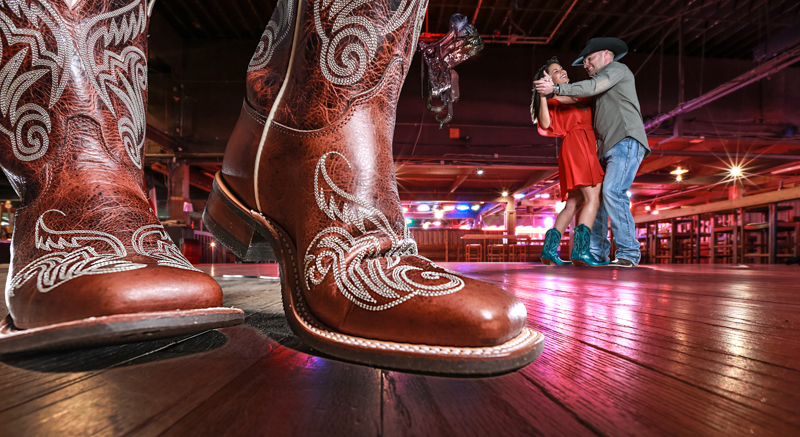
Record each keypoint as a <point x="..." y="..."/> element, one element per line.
<point x="615" y="134"/>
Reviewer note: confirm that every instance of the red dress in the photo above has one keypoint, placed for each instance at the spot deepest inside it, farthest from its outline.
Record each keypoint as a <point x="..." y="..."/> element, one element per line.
<point x="577" y="163"/>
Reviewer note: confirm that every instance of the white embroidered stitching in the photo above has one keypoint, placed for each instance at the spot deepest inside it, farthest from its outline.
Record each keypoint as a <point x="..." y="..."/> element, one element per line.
<point x="13" y="86"/>
<point x="167" y="253"/>
<point x="334" y="248"/>
<point x="54" y="269"/>
<point x="525" y="337"/>
<point x="356" y="55"/>
<point x="273" y="35"/>
<point x="131" y="61"/>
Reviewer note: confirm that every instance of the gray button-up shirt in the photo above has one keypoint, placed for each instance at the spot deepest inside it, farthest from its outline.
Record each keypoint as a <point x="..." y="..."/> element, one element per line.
<point x="616" y="113"/>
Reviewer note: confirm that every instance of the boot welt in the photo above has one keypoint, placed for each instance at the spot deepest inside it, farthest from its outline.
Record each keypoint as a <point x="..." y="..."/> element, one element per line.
<point x="120" y="328"/>
<point x="223" y="207"/>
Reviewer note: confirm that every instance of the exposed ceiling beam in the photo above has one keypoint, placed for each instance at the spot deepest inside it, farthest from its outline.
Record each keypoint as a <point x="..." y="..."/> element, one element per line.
<point x="534" y="178"/>
<point x="668" y="159"/>
<point x="161" y="138"/>
<point x="722" y="155"/>
<point x="460" y="179"/>
<point x="195" y="179"/>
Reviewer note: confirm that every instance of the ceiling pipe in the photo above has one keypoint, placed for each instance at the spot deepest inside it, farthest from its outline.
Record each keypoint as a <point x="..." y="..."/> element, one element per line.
<point x="509" y="39"/>
<point x="475" y="16"/>
<point x="777" y="63"/>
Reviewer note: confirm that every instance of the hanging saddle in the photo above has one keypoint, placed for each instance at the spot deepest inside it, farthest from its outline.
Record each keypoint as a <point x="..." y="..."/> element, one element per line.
<point x="460" y="43"/>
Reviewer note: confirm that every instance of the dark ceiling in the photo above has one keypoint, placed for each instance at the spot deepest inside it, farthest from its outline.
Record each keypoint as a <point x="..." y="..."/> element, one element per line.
<point x="714" y="28"/>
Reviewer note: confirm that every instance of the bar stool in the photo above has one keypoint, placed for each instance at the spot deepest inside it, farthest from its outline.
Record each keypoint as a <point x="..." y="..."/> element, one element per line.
<point x="664" y="250"/>
<point x="642" y="236"/>
<point x="517" y="252"/>
<point x="721" y="240"/>
<point x="755" y="241"/>
<point x="684" y="236"/>
<point x="496" y="252"/>
<point x="473" y="252"/>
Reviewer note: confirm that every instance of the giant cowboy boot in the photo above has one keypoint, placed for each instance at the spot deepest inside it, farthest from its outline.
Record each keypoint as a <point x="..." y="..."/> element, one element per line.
<point x="91" y="262"/>
<point x="309" y="172"/>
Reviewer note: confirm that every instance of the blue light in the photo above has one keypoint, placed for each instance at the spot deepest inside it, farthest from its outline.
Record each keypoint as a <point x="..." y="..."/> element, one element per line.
<point x="423" y="208"/>
<point x="462" y="207"/>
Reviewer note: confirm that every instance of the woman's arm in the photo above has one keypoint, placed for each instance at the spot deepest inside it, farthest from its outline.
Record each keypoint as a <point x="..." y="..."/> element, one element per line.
<point x="544" y="114"/>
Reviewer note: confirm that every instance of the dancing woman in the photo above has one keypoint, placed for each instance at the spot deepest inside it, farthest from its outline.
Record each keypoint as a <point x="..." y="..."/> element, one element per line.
<point x="578" y="166"/>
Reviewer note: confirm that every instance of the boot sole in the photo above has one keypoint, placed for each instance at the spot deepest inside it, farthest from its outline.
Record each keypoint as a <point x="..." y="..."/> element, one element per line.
<point x="581" y="263"/>
<point x="223" y="207"/>
<point x="116" y="329"/>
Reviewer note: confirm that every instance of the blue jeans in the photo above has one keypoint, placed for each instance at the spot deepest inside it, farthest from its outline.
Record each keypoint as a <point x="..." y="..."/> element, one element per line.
<point x="621" y="163"/>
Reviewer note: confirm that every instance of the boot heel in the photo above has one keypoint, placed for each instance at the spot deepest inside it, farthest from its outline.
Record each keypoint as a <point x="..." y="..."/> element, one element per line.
<point x="233" y="227"/>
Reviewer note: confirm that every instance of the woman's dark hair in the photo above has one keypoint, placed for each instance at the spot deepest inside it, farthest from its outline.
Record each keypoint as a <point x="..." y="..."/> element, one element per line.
<point x="535" y="100"/>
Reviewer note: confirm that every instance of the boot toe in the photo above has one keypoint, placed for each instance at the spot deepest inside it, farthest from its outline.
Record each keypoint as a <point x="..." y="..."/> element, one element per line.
<point x="477" y="314"/>
<point x="149" y="289"/>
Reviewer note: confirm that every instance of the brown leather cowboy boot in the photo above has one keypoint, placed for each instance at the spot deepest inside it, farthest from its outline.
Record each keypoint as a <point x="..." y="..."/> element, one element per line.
<point x="309" y="172"/>
<point x="91" y="262"/>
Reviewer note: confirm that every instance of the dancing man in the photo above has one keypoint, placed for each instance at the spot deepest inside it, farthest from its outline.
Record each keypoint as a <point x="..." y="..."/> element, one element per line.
<point x="621" y="142"/>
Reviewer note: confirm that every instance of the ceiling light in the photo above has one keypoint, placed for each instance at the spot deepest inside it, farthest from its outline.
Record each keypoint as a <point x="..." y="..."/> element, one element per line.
<point x="519" y="196"/>
<point x="505" y="193"/>
<point x="462" y="207"/>
<point x="679" y="171"/>
<point x="736" y="171"/>
<point x="629" y="193"/>
<point x="647" y="208"/>
<point x="423" y="208"/>
<point x="438" y="214"/>
<point x="448" y="208"/>
<point x="678" y="178"/>
<point x="479" y="171"/>
<point x="425" y="225"/>
<point x="437" y="223"/>
<point x="476" y="207"/>
<point x="408" y="221"/>
<point x="545" y="196"/>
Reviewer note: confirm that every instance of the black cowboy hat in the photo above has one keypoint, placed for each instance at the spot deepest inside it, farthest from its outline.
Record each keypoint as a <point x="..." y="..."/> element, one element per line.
<point x="615" y="45"/>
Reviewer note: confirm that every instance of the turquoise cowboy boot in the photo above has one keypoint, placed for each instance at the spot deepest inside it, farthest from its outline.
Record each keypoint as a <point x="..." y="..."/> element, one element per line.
<point x="580" y="250"/>
<point x="549" y="254"/>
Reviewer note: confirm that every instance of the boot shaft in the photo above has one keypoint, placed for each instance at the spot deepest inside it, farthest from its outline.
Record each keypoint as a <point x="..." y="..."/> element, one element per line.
<point x="343" y="51"/>
<point x="73" y="92"/>
<point x="341" y="67"/>
<point x="269" y="63"/>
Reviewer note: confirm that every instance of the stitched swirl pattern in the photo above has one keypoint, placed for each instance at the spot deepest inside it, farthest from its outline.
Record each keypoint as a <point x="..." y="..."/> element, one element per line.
<point x="274" y="34"/>
<point x="349" y="40"/>
<point x="373" y="264"/>
<point x="33" y="30"/>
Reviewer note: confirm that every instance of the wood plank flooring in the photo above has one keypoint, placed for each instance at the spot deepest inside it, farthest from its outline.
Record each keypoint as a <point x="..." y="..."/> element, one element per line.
<point x="657" y="350"/>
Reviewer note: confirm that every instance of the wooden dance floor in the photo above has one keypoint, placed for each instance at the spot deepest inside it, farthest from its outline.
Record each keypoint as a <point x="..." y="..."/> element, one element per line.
<point x="667" y="350"/>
